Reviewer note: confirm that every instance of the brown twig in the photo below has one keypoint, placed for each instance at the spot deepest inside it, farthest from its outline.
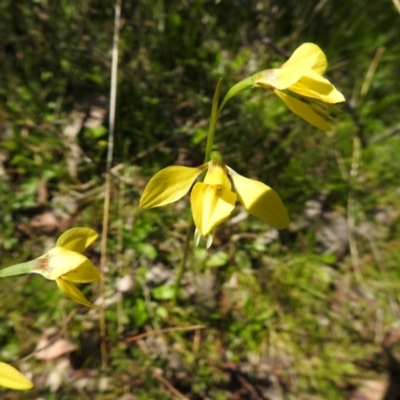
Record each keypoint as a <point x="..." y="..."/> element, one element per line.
<point x="174" y="329"/>
<point x="249" y="387"/>
<point x="243" y="381"/>
<point x="177" y="394"/>
<point x="196" y="341"/>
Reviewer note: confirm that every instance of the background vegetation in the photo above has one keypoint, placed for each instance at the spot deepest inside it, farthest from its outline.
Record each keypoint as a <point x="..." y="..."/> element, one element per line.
<point x="307" y="313"/>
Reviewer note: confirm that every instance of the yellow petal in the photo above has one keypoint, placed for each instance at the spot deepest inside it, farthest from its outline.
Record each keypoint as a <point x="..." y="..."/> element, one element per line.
<point x="217" y="174"/>
<point x="315" y="86"/>
<point x="169" y="185"/>
<point x="308" y="51"/>
<point x="303" y="110"/>
<point x="318" y="86"/>
<point x="211" y="205"/>
<point x="305" y="58"/>
<point x="260" y="200"/>
<point x="282" y="78"/>
<point x="85" y="273"/>
<point x="74" y="293"/>
<point x="57" y="262"/>
<point x="77" y="239"/>
<point x="332" y="97"/>
<point x="13" y="379"/>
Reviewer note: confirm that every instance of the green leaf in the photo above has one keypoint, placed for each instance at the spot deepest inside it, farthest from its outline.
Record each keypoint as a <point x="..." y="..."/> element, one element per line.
<point x="218" y="259"/>
<point x="164" y="292"/>
<point x="139" y="313"/>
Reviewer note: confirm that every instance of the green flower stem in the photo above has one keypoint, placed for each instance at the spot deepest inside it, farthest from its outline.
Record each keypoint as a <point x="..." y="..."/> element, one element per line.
<point x="209" y="146"/>
<point x="213" y="121"/>
<point x="18" y="269"/>
<point x="236" y="89"/>
<point x="182" y="266"/>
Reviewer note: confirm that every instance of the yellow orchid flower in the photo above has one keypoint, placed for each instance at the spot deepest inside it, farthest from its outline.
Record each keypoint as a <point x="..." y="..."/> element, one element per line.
<point x="213" y="200"/>
<point x="13" y="379"/>
<point x="64" y="263"/>
<point x="302" y="75"/>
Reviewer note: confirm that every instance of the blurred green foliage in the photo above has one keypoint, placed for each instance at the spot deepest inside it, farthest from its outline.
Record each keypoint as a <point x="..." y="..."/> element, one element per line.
<point x="283" y="311"/>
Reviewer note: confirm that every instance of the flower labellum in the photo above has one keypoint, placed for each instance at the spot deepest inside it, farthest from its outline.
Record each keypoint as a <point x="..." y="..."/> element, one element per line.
<point x="302" y="75"/>
<point x="213" y="200"/>
<point x="64" y="263"/>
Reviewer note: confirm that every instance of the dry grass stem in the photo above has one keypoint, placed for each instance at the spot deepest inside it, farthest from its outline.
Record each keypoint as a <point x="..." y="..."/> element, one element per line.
<point x="110" y="150"/>
<point x="165" y="330"/>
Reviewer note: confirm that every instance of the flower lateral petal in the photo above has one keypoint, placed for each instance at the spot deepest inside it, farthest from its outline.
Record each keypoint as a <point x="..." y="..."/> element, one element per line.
<point x="303" y="110"/>
<point x="70" y="290"/>
<point x="260" y="201"/>
<point x="169" y="185"/>
<point x="85" y="273"/>
<point x="211" y="205"/>
<point x="77" y="239"/>
<point x="315" y="86"/>
<point x="13" y="379"/>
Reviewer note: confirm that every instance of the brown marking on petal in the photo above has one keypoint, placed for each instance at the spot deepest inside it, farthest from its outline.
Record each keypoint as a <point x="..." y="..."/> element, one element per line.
<point x="216" y="162"/>
<point x="202" y="167"/>
<point x="72" y="272"/>
<point x="204" y="188"/>
<point x="42" y="264"/>
<point x="211" y="166"/>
